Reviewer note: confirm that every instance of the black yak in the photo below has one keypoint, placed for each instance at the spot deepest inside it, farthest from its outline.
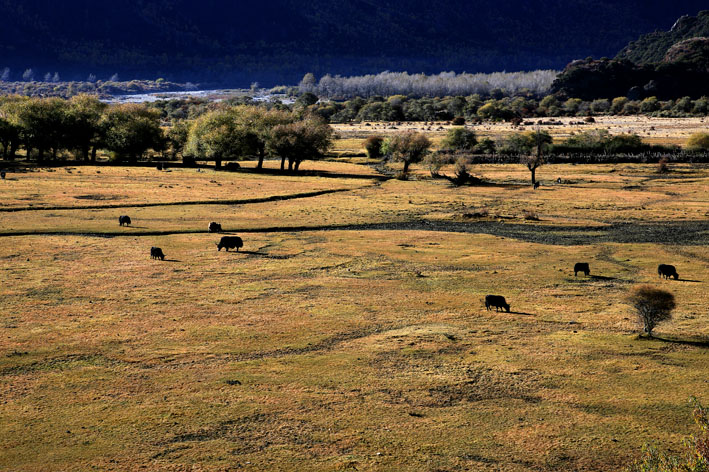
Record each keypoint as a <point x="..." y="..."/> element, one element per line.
<point x="214" y="227"/>
<point x="667" y="271"/>
<point x="156" y="253"/>
<point x="496" y="301"/>
<point x="230" y="242"/>
<point x="124" y="220"/>
<point x="582" y="267"/>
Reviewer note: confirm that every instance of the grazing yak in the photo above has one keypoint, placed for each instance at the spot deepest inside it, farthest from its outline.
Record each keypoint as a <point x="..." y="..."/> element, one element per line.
<point x="582" y="267"/>
<point x="667" y="271"/>
<point x="230" y="242"/>
<point x="124" y="220"/>
<point x="214" y="227"/>
<point x="156" y="253"/>
<point x="496" y="301"/>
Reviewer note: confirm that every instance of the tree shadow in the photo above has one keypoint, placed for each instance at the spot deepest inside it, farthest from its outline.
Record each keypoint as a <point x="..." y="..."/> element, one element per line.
<point x="686" y="342"/>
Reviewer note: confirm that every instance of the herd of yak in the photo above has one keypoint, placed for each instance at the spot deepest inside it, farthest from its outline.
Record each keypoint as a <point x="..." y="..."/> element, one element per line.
<point x="491" y="301"/>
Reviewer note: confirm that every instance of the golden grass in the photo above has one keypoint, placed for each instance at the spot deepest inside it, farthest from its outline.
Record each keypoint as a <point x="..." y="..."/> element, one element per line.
<point x="652" y="130"/>
<point x="358" y="348"/>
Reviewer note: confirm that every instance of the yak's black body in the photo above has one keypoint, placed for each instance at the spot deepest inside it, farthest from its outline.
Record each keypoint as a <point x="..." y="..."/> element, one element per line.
<point x="582" y="267"/>
<point x="214" y="227"/>
<point x="230" y="242"/>
<point x="497" y="301"/>
<point x="667" y="271"/>
<point x="156" y="253"/>
<point x="124" y="220"/>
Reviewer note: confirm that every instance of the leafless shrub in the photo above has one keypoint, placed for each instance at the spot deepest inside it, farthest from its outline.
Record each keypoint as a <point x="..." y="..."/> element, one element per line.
<point x="652" y="306"/>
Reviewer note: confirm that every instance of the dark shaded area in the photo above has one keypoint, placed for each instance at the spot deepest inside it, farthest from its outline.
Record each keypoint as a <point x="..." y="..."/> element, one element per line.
<point x="664" y="64"/>
<point x="686" y="342"/>
<point x="277" y="41"/>
<point x="662" y="232"/>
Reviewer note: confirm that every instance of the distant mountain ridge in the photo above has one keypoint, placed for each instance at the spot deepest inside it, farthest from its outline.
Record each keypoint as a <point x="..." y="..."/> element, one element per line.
<point x="277" y="41"/>
<point x="667" y="65"/>
<point x="653" y="47"/>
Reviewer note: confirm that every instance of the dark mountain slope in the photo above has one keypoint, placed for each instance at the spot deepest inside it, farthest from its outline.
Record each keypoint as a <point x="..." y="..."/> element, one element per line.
<point x="667" y="65"/>
<point x="279" y="40"/>
<point x="652" y="48"/>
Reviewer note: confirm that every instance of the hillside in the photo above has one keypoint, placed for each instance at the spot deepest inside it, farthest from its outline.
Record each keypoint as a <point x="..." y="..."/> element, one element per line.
<point x="653" y="47"/>
<point x="276" y="41"/>
<point x="666" y="65"/>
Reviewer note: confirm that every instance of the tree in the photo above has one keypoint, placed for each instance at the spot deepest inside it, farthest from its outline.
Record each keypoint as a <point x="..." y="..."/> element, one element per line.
<point x="459" y="139"/>
<point x="132" y="129"/>
<point x="10" y="106"/>
<point x="533" y="146"/>
<point x="42" y="125"/>
<point x="652" y="306"/>
<point x="306" y="139"/>
<point x="408" y="147"/>
<point x="258" y="123"/>
<point x="177" y="137"/>
<point x="306" y="99"/>
<point x="5" y="74"/>
<point x="28" y="75"/>
<point x="373" y="146"/>
<point x="84" y="125"/>
<point x="698" y="142"/>
<point x="618" y="104"/>
<point x="308" y="83"/>
<point x="218" y="136"/>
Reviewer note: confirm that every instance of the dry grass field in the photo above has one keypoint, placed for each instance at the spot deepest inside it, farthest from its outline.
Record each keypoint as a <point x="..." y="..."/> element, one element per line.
<point x="651" y="129"/>
<point x="350" y="332"/>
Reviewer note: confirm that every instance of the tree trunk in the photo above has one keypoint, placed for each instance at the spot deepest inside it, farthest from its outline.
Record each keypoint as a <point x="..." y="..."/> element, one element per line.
<point x="217" y="163"/>
<point x="283" y="163"/>
<point x="261" y="155"/>
<point x="297" y="165"/>
<point x="93" y="154"/>
<point x="85" y="152"/>
<point x="534" y="175"/>
<point x="290" y="165"/>
<point x="406" y="167"/>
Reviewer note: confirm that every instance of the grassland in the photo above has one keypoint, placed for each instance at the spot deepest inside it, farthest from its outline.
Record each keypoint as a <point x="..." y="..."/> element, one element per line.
<point x="350" y="333"/>
<point x="652" y="130"/>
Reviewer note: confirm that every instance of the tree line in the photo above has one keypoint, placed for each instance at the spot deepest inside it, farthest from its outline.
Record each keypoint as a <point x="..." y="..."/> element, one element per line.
<point x="47" y="128"/>
<point x="422" y="85"/>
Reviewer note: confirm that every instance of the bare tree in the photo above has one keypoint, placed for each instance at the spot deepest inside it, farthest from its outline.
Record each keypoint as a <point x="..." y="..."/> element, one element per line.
<point x="652" y="306"/>
<point x="538" y="141"/>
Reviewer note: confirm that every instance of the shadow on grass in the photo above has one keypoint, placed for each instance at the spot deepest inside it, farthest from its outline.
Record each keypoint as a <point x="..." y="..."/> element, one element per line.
<point x="689" y="280"/>
<point x="521" y="313"/>
<point x="171" y="260"/>
<point x="686" y="342"/>
<point x="261" y="254"/>
<point x="603" y="277"/>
